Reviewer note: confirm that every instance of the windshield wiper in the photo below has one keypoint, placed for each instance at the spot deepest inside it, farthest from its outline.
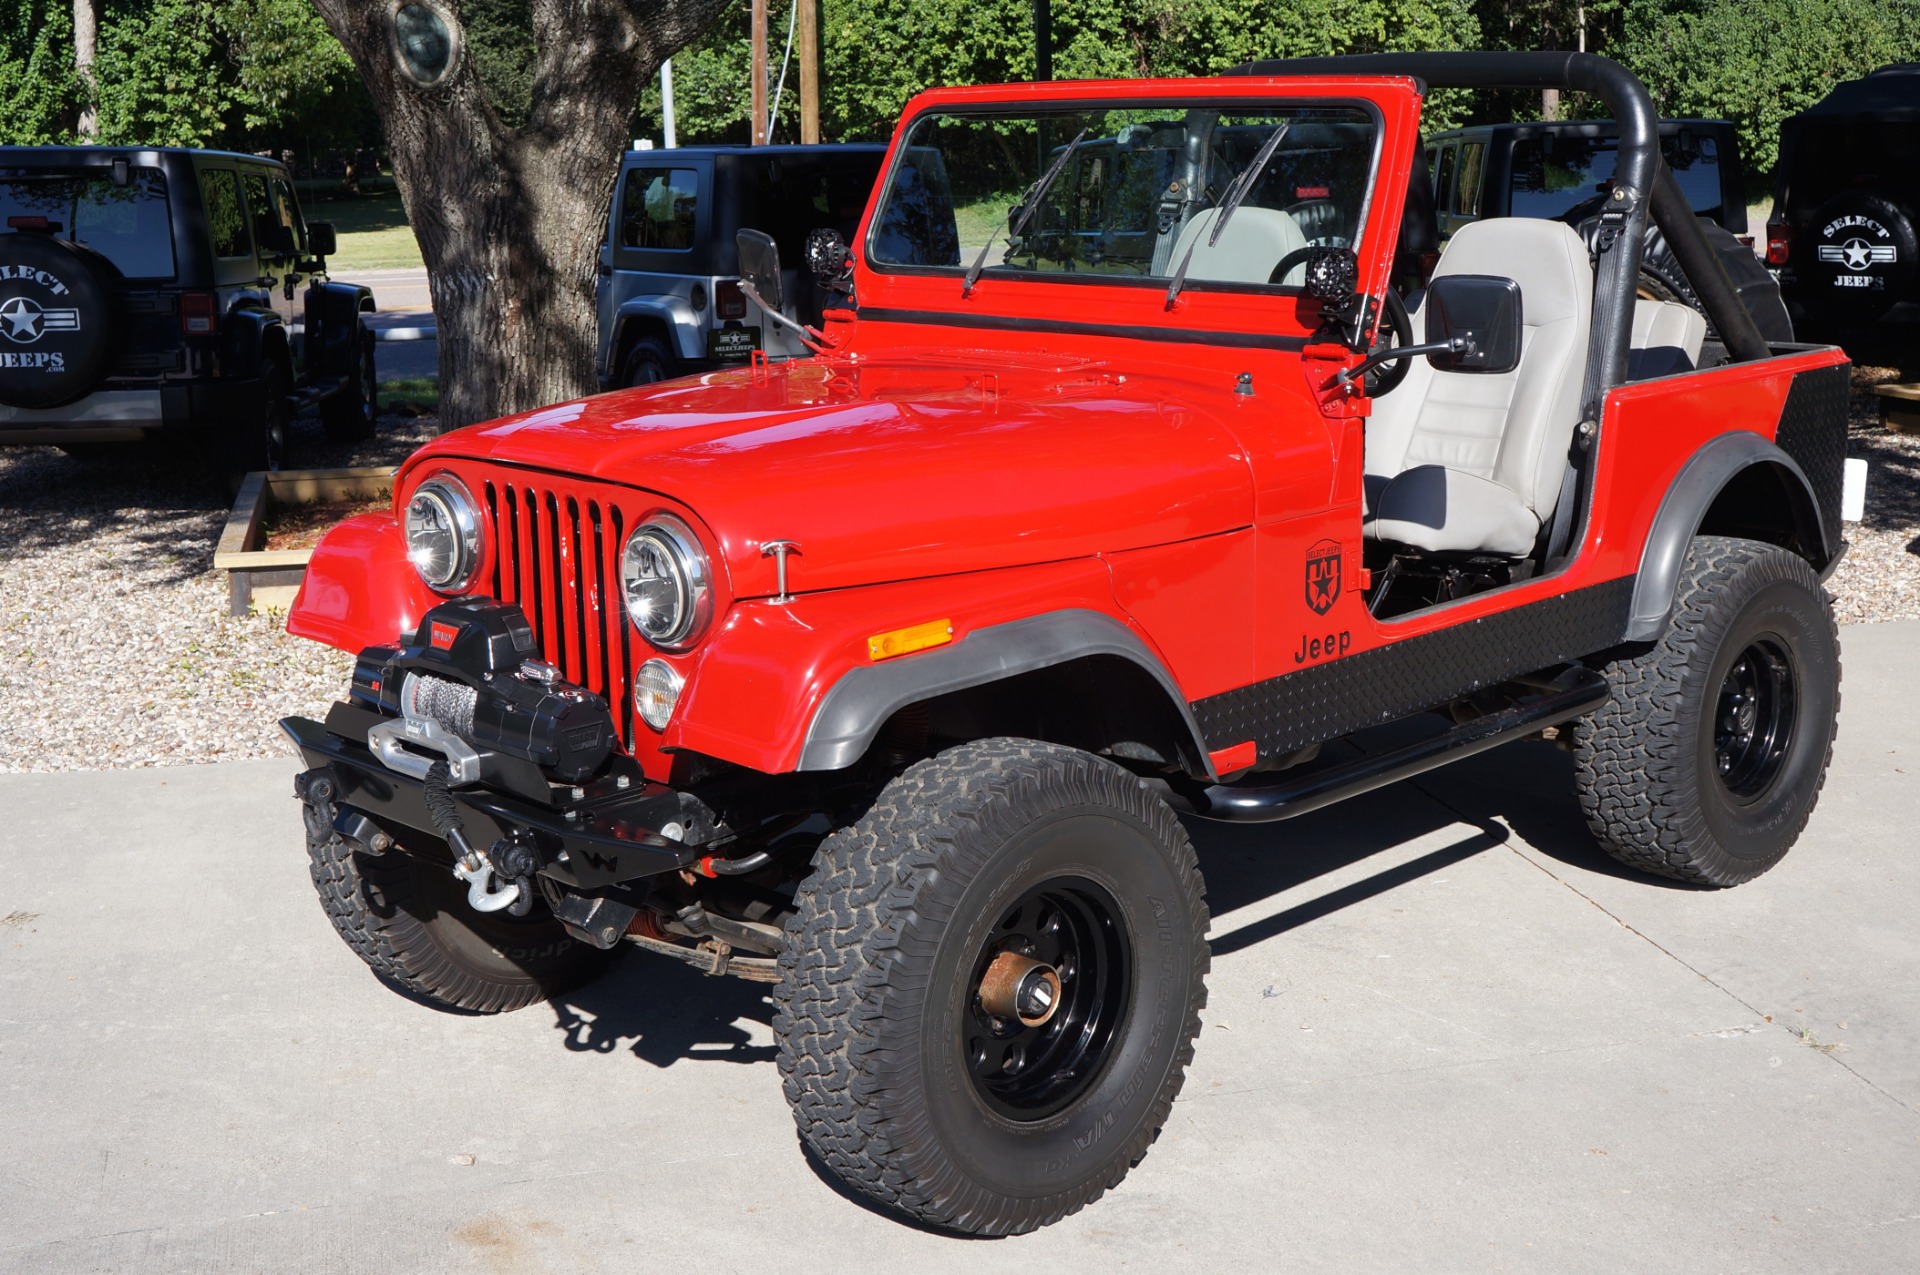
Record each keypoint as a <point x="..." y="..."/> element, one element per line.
<point x="1236" y="194"/>
<point x="1032" y="201"/>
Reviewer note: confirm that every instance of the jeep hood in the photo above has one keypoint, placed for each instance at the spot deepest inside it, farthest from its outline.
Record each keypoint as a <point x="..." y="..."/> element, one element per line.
<point x="900" y="468"/>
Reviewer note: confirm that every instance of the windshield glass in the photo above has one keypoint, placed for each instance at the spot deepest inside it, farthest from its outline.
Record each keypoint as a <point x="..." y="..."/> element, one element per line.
<point x="1141" y="188"/>
<point x="128" y="225"/>
<point x="1566" y="178"/>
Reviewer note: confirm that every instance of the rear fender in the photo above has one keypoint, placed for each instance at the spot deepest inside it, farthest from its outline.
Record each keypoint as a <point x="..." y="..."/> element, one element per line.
<point x="668" y="317"/>
<point x="359" y="589"/>
<point x="791" y="686"/>
<point x="250" y="338"/>
<point x="1738" y="484"/>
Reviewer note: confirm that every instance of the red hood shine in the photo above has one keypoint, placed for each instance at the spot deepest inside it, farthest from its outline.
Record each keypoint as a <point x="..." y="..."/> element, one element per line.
<point x="900" y="468"/>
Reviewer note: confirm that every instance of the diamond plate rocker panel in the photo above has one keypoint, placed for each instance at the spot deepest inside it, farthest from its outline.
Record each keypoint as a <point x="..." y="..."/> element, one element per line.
<point x="1329" y="700"/>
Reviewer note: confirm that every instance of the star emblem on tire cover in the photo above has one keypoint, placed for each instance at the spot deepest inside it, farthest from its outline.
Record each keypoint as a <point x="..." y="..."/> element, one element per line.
<point x="22" y="318"/>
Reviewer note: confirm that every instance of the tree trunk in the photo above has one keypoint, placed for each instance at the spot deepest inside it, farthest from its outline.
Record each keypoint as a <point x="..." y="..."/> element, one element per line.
<point x="86" y="44"/>
<point x="510" y="221"/>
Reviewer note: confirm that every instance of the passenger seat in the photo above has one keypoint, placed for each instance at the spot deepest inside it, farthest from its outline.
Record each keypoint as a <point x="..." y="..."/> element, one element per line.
<point x="1666" y="339"/>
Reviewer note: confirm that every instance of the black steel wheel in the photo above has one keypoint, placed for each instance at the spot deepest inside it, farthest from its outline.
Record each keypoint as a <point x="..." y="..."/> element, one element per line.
<point x="991" y="986"/>
<point x="1050" y="988"/>
<point x="1707" y="762"/>
<point x="1753" y="718"/>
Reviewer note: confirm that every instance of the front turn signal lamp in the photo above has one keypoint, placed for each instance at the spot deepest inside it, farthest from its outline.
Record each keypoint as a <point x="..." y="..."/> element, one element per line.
<point x="917" y="637"/>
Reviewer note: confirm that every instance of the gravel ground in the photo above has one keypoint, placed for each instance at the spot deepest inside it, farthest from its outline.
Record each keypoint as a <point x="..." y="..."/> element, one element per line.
<point x="116" y="649"/>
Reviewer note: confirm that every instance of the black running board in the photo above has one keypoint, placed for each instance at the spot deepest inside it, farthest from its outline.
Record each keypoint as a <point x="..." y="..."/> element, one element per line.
<point x="1574" y="694"/>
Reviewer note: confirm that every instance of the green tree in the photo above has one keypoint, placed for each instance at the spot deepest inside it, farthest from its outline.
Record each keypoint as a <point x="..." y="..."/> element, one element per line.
<point x="39" y="93"/>
<point x="1713" y="58"/>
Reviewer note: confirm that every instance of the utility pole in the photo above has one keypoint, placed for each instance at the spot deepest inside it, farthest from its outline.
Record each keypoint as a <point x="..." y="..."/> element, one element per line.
<point x="666" y="103"/>
<point x="1043" y="39"/>
<point x="759" y="72"/>
<point x="809" y="11"/>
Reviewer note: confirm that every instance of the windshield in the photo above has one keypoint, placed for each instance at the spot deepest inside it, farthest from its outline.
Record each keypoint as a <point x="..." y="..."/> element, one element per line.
<point x="128" y="225"/>
<point x="1140" y="189"/>
<point x="1566" y="178"/>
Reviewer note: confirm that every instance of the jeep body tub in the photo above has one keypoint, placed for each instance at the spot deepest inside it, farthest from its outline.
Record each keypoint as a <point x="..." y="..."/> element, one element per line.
<point x="1120" y="504"/>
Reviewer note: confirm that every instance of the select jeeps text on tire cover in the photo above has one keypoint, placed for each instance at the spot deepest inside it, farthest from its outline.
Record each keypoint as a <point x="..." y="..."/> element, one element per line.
<point x="1846" y="200"/>
<point x="152" y="291"/>
<point x="884" y="676"/>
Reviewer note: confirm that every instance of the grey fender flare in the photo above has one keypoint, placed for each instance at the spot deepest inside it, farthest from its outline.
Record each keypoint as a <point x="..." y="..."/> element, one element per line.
<point x="856" y="706"/>
<point x="684" y="329"/>
<point x="1694" y="489"/>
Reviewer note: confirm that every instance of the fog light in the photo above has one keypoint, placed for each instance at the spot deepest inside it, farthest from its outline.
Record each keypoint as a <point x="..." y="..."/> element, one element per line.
<point x="656" y="689"/>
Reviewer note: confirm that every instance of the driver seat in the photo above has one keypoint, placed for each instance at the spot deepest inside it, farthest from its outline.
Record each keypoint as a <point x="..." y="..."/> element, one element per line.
<point x="1255" y="241"/>
<point x="1471" y="463"/>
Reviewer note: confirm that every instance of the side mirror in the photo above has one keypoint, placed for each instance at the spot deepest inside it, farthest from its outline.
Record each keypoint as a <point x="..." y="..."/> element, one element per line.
<point x="321" y="240"/>
<point x="760" y="268"/>
<point x="1477" y="317"/>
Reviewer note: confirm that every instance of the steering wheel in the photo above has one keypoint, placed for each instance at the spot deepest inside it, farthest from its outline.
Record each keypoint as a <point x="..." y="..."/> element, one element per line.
<point x="1293" y="260"/>
<point x="1394" y="318"/>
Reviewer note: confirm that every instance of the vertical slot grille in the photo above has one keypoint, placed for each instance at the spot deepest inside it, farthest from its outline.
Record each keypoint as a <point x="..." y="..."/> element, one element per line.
<point x="557" y="555"/>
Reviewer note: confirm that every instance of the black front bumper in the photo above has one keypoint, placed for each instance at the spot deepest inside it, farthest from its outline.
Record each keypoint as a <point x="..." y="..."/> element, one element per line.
<point x="608" y="835"/>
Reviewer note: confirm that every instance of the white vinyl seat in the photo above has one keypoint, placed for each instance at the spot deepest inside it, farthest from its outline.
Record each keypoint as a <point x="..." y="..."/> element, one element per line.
<point x="1667" y="337"/>
<point x="1254" y="242"/>
<point x="1472" y="462"/>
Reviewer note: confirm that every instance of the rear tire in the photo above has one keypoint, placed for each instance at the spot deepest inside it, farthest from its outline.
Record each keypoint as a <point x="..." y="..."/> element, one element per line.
<point x="407" y="917"/>
<point x="349" y="416"/>
<point x="901" y="1077"/>
<point x="1708" y="760"/>
<point x="259" y="444"/>
<point x="646" y="363"/>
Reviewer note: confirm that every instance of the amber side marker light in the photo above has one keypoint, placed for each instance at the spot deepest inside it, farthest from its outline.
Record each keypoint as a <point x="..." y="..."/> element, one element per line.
<point x="918" y="637"/>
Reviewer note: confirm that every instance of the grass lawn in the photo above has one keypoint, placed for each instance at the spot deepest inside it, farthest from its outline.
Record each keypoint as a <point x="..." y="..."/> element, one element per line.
<point x="373" y="230"/>
<point x="422" y="391"/>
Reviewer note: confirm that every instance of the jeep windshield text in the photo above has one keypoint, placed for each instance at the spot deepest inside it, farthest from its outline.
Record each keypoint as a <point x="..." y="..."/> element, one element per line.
<point x="1136" y="466"/>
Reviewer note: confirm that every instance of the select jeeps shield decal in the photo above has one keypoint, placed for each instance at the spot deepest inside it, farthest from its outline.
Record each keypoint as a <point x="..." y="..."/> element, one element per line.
<point x="1323" y="576"/>
<point x="1870" y="244"/>
<point x="23" y="321"/>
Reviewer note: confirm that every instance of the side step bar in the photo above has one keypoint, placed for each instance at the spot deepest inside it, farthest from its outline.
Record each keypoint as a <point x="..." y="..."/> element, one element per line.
<point x="1573" y="694"/>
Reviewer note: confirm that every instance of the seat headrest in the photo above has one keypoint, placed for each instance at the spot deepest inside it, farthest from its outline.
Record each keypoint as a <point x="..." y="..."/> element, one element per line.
<point x="1546" y="258"/>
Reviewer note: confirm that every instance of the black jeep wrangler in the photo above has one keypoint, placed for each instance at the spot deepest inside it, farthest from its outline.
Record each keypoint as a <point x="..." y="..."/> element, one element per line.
<point x="1846" y="200"/>
<point x="1563" y="170"/>
<point x="151" y="291"/>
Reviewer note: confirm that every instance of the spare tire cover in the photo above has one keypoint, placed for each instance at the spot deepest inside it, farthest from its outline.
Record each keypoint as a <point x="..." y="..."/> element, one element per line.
<point x="1758" y="290"/>
<point x="1858" y="256"/>
<point x="57" y="320"/>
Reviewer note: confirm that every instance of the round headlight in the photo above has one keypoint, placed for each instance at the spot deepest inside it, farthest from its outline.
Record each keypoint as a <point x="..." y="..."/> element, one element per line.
<point x="443" y="534"/>
<point x="656" y="689"/>
<point x="663" y="574"/>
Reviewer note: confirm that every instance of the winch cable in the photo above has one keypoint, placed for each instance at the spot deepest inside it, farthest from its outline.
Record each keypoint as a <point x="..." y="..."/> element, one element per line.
<point x="469" y="864"/>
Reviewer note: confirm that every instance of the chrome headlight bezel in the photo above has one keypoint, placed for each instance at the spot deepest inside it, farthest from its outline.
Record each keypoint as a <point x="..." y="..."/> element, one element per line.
<point x="455" y="503"/>
<point x="671" y="541"/>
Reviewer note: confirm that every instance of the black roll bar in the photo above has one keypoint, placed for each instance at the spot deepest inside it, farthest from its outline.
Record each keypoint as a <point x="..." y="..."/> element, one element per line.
<point x="1641" y="184"/>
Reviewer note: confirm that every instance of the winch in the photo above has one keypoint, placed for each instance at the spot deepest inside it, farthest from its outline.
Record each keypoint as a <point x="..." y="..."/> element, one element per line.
<point x="470" y="683"/>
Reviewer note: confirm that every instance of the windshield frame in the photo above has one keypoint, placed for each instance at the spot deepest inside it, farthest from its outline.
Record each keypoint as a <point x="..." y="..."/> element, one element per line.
<point x="1030" y="108"/>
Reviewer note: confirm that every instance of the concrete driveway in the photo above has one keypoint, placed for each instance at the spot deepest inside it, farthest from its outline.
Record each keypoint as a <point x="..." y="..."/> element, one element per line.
<point x="1444" y="1035"/>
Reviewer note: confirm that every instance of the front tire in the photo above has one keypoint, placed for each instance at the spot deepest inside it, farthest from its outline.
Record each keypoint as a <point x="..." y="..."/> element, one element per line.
<point x="992" y="985"/>
<point x="1706" y="763"/>
<point x="407" y="917"/>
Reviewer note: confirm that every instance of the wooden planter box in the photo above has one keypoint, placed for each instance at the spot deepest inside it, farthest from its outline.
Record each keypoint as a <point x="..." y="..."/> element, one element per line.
<point x="271" y="578"/>
<point x="1900" y="407"/>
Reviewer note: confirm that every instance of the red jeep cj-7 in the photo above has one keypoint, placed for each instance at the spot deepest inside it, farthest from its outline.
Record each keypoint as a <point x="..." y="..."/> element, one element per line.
<point x="1148" y="455"/>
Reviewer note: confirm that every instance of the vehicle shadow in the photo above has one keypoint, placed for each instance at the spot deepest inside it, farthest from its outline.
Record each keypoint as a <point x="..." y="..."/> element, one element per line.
<point x="662" y="1011"/>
